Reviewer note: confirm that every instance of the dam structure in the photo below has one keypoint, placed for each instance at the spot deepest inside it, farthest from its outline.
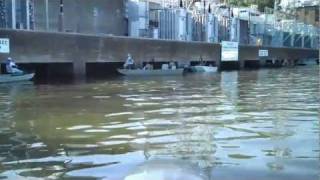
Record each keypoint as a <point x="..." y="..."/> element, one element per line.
<point x="83" y="38"/>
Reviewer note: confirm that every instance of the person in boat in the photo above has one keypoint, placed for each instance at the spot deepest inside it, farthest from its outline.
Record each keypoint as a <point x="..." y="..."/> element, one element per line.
<point x="202" y="63"/>
<point x="148" y="66"/>
<point x="153" y="63"/>
<point x="172" y="65"/>
<point x="129" y="64"/>
<point x="12" y="68"/>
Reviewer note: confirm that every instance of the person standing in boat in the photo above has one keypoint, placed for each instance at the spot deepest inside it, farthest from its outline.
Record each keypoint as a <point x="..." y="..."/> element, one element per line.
<point x="129" y="64"/>
<point x="12" y="68"/>
<point x="202" y="63"/>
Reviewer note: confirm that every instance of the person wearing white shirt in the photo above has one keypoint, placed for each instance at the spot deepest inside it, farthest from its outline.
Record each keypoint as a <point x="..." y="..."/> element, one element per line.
<point x="129" y="64"/>
<point x="12" y="68"/>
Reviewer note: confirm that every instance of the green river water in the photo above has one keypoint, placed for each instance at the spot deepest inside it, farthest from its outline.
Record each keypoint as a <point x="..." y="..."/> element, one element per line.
<point x="243" y="125"/>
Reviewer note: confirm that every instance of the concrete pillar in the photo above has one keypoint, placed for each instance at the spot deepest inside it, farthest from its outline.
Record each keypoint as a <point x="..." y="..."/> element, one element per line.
<point x="218" y="60"/>
<point x="285" y="62"/>
<point x="241" y="63"/>
<point x="291" y="62"/>
<point x="79" y="70"/>
<point x="47" y="14"/>
<point x="13" y="14"/>
<point x="61" y="17"/>
<point x="262" y="62"/>
<point x="218" y="63"/>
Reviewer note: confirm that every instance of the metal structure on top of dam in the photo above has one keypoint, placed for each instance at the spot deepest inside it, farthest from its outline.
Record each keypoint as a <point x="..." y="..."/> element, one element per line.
<point x="182" y="20"/>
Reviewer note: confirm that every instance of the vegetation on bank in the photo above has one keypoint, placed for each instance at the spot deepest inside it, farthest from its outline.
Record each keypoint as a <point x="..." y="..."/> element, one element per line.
<point x="262" y="4"/>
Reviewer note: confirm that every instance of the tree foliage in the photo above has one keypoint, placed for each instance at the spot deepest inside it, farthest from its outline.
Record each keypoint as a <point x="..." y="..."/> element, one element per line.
<point x="262" y="4"/>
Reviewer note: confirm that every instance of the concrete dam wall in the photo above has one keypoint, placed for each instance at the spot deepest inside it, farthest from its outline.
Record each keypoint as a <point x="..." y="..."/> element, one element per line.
<point x="80" y="50"/>
<point x="41" y="47"/>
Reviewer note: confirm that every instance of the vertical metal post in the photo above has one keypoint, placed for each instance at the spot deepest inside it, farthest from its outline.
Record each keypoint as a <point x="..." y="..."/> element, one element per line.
<point x="95" y="19"/>
<point x="203" y="22"/>
<point x="275" y="14"/>
<point x="28" y="14"/>
<point x="47" y="14"/>
<point x="249" y="26"/>
<point x="13" y="14"/>
<point x="295" y="11"/>
<point x="61" y="17"/>
<point x="3" y="14"/>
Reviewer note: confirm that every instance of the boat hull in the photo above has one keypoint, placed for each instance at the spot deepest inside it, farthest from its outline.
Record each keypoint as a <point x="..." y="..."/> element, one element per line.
<point x="205" y="69"/>
<point x="7" y="78"/>
<point x="156" y="72"/>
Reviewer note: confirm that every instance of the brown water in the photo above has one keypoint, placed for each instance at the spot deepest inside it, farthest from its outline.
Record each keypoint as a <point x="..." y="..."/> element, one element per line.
<point x="231" y="125"/>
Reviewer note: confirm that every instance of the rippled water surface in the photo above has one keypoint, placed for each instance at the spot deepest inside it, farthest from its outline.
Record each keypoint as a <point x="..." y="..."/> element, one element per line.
<point x="231" y="125"/>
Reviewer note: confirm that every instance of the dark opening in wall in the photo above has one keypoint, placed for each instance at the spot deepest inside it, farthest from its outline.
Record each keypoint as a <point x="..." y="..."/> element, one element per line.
<point x="158" y="65"/>
<point x="307" y="42"/>
<point x="252" y="64"/>
<point x="27" y="68"/>
<point x="232" y="65"/>
<point x="102" y="70"/>
<point x="297" y="40"/>
<point x="287" y="39"/>
<point x="2" y="68"/>
<point x="207" y="63"/>
<point x="47" y="72"/>
<point x="273" y="63"/>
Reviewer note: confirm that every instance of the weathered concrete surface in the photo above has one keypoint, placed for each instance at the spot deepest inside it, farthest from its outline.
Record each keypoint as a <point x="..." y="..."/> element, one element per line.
<point x="28" y="47"/>
<point x="79" y="49"/>
<point x="252" y="52"/>
<point x="290" y="55"/>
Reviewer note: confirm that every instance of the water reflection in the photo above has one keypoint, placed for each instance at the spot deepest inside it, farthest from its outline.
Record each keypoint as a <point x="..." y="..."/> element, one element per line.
<point x="279" y="134"/>
<point x="165" y="170"/>
<point x="229" y="85"/>
<point x="176" y="134"/>
<point x="230" y="125"/>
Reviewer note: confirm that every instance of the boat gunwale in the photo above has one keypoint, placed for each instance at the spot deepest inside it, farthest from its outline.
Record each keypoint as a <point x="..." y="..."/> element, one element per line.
<point x="8" y="78"/>
<point x="151" y="72"/>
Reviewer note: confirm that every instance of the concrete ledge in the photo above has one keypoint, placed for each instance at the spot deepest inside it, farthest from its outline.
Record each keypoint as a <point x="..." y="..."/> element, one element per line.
<point x="31" y="46"/>
<point x="79" y="49"/>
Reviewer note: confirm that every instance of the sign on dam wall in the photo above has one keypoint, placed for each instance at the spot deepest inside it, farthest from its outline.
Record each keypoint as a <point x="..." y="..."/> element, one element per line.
<point x="4" y="45"/>
<point x="229" y="51"/>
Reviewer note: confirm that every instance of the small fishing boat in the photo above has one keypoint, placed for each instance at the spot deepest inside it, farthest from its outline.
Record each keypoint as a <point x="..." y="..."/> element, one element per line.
<point x="306" y="62"/>
<point x="8" y="78"/>
<point x="205" y="69"/>
<point x="151" y="72"/>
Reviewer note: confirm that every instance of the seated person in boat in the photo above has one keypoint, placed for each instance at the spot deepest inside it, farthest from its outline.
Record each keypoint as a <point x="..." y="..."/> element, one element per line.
<point x="129" y="64"/>
<point x="12" y="68"/>
<point x="148" y="66"/>
<point x="172" y="65"/>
